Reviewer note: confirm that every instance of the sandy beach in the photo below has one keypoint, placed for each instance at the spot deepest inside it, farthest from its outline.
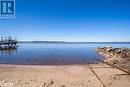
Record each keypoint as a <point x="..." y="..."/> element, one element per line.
<point x="92" y="75"/>
<point x="48" y="76"/>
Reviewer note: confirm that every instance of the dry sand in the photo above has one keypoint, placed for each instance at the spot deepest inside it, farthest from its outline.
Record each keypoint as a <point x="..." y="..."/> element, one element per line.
<point x="62" y="76"/>
<point x="49" y="76"/>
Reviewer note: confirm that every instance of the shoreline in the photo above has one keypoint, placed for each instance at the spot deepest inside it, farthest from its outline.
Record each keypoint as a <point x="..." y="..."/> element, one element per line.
<point x="48" y="76"/>
<point x="88" y="75"/>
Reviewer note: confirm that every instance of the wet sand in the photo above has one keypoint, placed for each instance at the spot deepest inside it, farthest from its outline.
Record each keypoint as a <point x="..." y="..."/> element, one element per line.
<point x="89" y="75"/>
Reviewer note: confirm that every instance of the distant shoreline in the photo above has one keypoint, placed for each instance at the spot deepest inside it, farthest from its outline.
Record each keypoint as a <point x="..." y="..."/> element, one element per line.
<point x="73" y="42"/>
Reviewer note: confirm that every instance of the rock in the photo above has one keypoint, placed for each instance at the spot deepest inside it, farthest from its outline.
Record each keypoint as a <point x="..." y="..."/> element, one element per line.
<point x="119" y="57"/>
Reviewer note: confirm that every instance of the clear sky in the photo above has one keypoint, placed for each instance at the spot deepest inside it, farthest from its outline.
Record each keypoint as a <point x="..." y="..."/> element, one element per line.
<point x="69" y="20"/>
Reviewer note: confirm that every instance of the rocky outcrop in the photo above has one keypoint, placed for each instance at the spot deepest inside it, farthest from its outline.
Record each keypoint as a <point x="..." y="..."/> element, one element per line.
<point x="119" y="57"/>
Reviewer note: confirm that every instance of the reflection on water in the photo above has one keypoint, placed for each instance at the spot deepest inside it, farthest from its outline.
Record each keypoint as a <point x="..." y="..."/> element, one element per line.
<point x="51" y="54"/>
<point x="8" y="52"/>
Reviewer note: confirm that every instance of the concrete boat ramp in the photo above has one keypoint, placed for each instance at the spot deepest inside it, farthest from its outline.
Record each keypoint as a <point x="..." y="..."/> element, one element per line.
<point x="109" y="76"/>
<point x="89" y="75"/>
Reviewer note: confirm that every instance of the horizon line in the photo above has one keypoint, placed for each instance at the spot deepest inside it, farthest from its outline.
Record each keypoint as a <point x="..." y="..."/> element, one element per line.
<point x="80" y="41"/>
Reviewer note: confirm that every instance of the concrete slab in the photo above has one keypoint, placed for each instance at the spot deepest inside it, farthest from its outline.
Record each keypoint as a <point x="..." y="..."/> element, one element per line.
<point x="100" y="65"/>
<point x="111" y="77"/>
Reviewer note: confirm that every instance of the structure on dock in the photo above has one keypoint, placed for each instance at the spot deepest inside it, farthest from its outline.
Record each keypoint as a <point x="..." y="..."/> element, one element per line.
<point x="7" y="43"/>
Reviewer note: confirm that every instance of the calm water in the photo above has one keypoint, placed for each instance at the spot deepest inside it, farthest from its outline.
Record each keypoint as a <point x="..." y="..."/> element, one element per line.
<point x="55" y="53"/>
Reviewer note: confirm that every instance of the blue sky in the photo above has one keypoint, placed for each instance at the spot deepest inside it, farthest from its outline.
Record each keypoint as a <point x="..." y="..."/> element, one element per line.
<point x="69" y="20"/>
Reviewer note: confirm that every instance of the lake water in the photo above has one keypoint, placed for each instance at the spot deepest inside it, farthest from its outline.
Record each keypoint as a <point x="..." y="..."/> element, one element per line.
<point x="54" y="53"/>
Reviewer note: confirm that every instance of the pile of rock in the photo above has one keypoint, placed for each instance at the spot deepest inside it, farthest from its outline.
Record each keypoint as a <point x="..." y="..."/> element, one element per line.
<point x="119" y="57"/>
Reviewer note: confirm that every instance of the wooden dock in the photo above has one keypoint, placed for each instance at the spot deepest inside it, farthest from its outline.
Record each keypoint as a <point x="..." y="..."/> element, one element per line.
<point x="7" y="43"/>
